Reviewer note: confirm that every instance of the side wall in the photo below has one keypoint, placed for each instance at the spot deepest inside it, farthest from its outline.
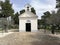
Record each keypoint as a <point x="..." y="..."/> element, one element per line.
<point x="34" y="25"/>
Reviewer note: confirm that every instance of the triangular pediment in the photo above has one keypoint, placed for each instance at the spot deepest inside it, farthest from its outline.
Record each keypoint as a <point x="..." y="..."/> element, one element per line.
<point x="28" y="14"/>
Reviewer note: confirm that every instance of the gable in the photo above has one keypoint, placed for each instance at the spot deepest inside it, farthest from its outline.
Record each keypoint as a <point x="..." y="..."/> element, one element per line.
<point x="28" y="14"/>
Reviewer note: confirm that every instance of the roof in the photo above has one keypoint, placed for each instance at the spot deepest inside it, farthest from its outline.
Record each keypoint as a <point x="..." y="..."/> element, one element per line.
<point x="28" y="14"/>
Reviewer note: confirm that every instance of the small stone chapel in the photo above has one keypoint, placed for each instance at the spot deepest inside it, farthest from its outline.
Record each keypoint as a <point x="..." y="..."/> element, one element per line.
<point x="28" y="21"/>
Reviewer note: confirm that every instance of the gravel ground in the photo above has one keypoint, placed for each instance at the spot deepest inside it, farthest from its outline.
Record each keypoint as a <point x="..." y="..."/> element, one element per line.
<point x="4" y="34"/>
<point x="29" y="38"/>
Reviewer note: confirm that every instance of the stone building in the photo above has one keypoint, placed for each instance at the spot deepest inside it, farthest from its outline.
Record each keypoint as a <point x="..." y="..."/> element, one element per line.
<point x="28" y="21"/>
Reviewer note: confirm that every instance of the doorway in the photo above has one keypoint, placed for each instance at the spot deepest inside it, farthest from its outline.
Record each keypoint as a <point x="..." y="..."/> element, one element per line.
<point x="28" y="27"/>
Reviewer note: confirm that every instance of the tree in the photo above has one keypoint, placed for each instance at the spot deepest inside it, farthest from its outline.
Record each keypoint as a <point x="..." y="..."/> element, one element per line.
<point x="33" y="10"/>
<point x="7" y="9"/>
<point x="58" y="4"/>
<point x="55" y="17"/>
<point x="46" y="16"/>
<point x="16" y="19"/>
<point x="22" y="11"/>
<point x="40" y="23"/>
<point x="52" y="18"/>
<point x="0" y="15"/>
<point x="0" y="9"/>
<point x="44" y="19"/>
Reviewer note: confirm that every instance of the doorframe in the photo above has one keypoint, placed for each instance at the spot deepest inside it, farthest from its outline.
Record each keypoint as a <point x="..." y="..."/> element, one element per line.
<point x="30" y="27"/>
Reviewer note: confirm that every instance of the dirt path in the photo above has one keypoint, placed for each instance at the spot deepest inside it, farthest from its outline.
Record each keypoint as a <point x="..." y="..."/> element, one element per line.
<point x="27" y="38"/>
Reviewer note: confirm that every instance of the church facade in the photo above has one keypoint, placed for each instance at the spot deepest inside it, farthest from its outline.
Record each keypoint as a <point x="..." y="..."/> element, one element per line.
<point x="28" y="21"/>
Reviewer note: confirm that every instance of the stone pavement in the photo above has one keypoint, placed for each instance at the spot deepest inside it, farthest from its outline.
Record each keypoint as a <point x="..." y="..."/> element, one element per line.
<point x="29" y="38"/>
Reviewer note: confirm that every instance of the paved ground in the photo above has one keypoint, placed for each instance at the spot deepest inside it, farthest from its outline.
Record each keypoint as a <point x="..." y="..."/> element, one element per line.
<point x="27" y="38"/>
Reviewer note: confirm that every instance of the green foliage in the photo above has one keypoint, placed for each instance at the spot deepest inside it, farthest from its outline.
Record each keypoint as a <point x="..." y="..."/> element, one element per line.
<point x="13" y="26"/>
<point x="1" y="3"/>
<point x="58" y="12"/>
<point x="48" y="20"/>
<point x="58" y="4"/>
<point x="7" y="9"/>
<point x="22" y="11"/>
<point x="58" y="0"/>
<point x="16" y="18"/>
<point x="40" y="23"/>
<point x="0" y="15"/>
<point x="45" y="16"/>
<point x="43" y="21"/>
<point x="33" y="10"/>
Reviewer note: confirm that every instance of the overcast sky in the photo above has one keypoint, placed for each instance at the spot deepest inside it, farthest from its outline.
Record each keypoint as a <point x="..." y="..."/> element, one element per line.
<point x="40" y="6"/>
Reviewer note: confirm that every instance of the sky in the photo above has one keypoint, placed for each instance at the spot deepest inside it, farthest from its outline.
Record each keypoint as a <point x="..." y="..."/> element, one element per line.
<point x="40" y="6"/>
